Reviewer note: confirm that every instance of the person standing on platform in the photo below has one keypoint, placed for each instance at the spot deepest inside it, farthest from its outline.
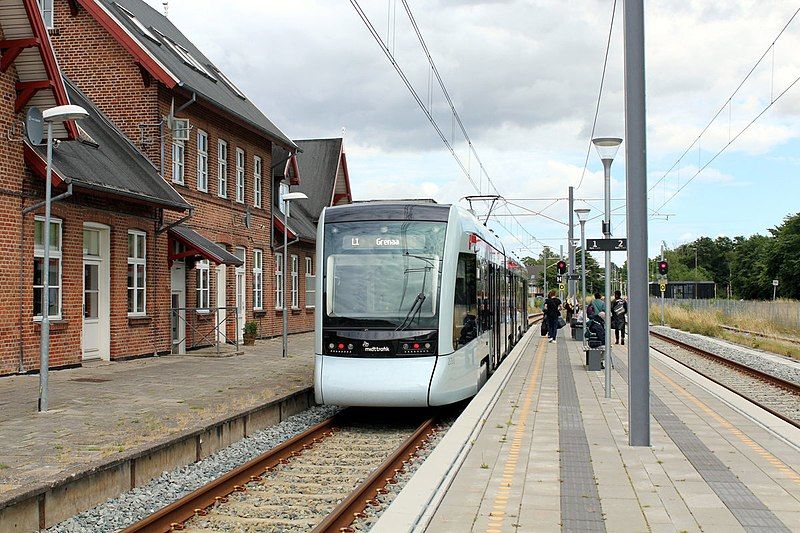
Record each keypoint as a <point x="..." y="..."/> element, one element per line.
<point x="598" y="303"/>
<point x="619" y="314"/>
<point x="552" y="312"/>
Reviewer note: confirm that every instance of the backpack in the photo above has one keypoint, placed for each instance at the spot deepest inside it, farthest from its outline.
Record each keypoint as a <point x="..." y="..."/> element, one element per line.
<point x="619" y="307"/>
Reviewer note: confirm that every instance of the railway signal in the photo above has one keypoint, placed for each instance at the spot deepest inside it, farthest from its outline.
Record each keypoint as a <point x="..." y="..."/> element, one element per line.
<point x="562" y="267"/>
<point x="663" y="268"/>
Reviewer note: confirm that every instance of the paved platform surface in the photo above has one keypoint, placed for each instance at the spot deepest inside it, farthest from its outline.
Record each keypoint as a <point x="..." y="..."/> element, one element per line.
<point x="553" y="455"/>
<point x="105" y="408"/>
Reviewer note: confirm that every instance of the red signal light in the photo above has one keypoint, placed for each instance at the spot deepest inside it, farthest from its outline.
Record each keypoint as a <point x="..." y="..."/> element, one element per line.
<point x="415" y="346"/>
<point x="341" y="346"/>
<point x="561" y="266"/>
<point x="663" y="268"/>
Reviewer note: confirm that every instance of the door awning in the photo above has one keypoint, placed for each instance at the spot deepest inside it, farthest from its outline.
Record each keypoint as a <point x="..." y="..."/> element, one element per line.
<point x="196" y="245"/>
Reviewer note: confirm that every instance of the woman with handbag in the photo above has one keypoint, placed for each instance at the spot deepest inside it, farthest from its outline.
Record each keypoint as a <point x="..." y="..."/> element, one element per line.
<point x="552" y="313"/>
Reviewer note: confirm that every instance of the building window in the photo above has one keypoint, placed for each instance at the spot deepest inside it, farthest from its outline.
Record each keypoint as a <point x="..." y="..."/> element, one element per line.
<point x="46" y="6"/>
<point x="240" y="175"/>
<point x="222" y="169"/>
<point x="54" y="279"/>
<point x="311" y="283"/>
<point x="258" y="287"/>
<point x="178" y="151"/>
<point x="278" y="281"/>
<point x="202" y="161"/>
<point x="295" y="282"/>
<point x="137" y="266"/>
<point x="257" y="181"/>
<point x="283" y="190"/>
<point x="203" y="290"/>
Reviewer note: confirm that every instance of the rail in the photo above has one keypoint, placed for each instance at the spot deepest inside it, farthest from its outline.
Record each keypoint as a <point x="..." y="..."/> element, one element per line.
<point x="775" y="381"/>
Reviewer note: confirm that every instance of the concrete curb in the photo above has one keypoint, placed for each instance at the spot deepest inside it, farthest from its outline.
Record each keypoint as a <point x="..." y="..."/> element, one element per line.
<point x="413" y="508"/>
<point x="76" y="490"/>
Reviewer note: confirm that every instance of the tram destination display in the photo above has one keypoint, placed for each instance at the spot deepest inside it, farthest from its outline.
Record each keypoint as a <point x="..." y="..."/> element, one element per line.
<point x="383" y="242"/>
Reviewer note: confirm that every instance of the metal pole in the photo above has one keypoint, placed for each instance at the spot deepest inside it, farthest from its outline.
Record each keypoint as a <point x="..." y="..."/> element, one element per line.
<point x="583" y="277"/>
<point x="662" y="292"/>
<point x="44" y="343"/>
<point x="283" y="277"/>
<point x="545" y="271"/>
<point x="607" y="234"/>
<point x="561" y="258"/>
<point x="636" y="207"/>
<point x="571" y="245"/>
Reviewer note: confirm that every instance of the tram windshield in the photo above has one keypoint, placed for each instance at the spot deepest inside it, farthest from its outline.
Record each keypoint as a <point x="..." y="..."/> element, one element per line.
<point x="383" y="274"/>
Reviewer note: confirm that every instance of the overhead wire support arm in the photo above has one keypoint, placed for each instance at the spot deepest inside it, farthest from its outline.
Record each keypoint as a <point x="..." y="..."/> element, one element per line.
<point x="493" y="197"/>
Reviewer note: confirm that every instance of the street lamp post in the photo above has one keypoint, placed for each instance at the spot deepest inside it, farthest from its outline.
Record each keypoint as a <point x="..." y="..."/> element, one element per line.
<point x="582" y="213"/>
<point x="287" y="198"/>
<point x="55" y="114"/>
<point x="607" y="148"/>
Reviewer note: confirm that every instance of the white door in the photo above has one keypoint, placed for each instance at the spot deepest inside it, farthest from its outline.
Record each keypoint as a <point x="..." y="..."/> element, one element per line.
<point x="241" y="298"/>
<point x="96" y="334"/>
<point x="178" y="304"/>
<point x="220" y="320"/>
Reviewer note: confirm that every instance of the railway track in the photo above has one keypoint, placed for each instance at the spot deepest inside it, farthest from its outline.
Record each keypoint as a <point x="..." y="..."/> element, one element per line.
<point x="320" y="480"/>
<point x="774" y="394"/>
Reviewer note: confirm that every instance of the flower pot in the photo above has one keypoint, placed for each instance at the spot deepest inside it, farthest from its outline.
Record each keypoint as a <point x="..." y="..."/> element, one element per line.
<point x="249" y="339"/>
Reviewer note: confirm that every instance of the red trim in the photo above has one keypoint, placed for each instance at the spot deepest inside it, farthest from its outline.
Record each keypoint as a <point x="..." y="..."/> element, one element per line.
<point x="191" y="250"/>
<point x="73" y="8"/>
<point x="39" y="166"/>
<point x="49" y="60"/>
<point x="11" y="49"/>
<point x="346" y="174"/>
<point x="27" y="90"/>
<point x="279" y="226"/>
<point x="295" y="180"/>
<point x="131" y="45"/>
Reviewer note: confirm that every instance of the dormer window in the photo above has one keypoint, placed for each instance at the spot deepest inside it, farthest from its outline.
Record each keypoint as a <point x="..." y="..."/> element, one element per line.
<point x="229" y="84"/>
<point x="186" y="56"/>
<point x="136" y="22"/>
<point x="46" y="7"/>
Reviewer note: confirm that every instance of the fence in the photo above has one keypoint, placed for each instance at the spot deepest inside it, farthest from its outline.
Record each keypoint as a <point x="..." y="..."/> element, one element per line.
<point x="193" y="328"/>
<point x="782" y="313"/>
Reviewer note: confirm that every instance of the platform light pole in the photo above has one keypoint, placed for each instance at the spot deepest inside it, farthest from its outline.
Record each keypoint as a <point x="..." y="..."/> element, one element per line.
<point x="607" y="148"/>
<point x="571" y="246"/>
<point x="582" y="214"/>
<point x="288" y="199"/>
<point x="636" y="207"/>
<point x="61" y="113"/>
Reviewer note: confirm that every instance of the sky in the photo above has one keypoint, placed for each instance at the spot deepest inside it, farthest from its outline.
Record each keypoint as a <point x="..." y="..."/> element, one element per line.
<point x="524" y="79"/>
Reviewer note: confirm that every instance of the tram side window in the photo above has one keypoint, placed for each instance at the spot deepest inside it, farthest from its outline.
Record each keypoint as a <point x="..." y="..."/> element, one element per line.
<point x="465" y="308"/>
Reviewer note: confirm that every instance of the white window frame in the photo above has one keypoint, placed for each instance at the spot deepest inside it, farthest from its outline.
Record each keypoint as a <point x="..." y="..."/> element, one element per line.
<point x="222" y="168"/>
<point x="203" y="286"/>
<point x="55" y="254"/>
<point x="257" y="181"/>
<point x="138" y="23"/>
<point x="258" y="279"/>
<point x="46" y="8"/>
<point x="239" y="175"/>
<point x="202" y="161"/>
<point x="295" y="281"/>
<point x="178" y="161"/>
<point x="311" y="281"/>
<point x="138" y="263"/>
<point x="279" y="285"/>
<point x="283" y="189"/>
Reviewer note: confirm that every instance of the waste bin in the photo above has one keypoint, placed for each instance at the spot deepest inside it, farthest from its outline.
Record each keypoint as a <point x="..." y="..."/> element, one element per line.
<point x="577" y="331"/>
<point x="594" y="358"/>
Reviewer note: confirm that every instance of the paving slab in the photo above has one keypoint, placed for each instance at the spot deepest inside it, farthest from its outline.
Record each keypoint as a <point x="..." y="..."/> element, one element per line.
<point x="102" y="409"/>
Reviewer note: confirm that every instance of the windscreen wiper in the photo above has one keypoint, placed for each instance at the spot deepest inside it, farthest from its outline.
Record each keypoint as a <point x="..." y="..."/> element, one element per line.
<point x="416" y="306"/>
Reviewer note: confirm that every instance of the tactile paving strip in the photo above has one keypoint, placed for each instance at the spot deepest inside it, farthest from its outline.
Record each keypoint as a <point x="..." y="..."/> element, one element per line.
<point x="748" y="509"/>
<point x="580" y="501"/>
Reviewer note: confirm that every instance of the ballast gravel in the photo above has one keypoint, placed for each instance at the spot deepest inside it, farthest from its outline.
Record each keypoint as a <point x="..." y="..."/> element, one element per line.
<point x="118" y="513"/>
<point x="765" y="362"/>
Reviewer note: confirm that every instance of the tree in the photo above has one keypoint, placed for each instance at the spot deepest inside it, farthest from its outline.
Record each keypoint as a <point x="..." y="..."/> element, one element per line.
<point x="783" y="257"/>
<point x="749" y="275"/>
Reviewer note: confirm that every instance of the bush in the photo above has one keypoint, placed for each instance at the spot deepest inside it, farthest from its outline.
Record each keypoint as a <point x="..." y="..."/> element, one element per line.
<point x="251" y="328"/>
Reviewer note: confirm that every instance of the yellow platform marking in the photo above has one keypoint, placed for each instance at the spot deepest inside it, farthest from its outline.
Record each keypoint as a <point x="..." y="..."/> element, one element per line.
<point x="780" y="465"/>
<point x="501" y="494"/>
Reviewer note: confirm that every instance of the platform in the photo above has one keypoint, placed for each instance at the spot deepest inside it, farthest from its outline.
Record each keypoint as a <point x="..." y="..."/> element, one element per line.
<point x="552" y="454"/>
<point x="124" y="422"/>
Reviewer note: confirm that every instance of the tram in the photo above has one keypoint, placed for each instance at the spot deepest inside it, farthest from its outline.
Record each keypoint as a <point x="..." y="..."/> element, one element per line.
<point x="417" y="304"/>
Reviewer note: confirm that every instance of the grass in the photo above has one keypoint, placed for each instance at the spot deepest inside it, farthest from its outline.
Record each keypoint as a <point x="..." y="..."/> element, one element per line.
<point x="3" y="466"/>
<point x="708" y="322"/>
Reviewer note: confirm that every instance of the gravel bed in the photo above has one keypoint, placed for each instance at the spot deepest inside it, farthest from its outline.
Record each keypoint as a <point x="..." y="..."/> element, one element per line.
<point x="120" y="512"/>
<point x="762" y="361"/>
<point x="411" y="466"/>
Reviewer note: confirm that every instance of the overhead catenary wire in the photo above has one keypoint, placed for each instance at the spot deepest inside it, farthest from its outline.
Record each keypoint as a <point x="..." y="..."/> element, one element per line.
<point x="599" y="95"/>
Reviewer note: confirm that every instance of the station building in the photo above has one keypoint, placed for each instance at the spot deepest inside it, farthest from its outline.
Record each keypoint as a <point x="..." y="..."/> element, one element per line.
<point x="165" y="239"/>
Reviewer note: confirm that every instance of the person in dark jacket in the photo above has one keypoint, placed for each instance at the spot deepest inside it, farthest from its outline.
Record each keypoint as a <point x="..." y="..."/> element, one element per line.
<point x="552" y="312"/>
<point x="619" y="315"/>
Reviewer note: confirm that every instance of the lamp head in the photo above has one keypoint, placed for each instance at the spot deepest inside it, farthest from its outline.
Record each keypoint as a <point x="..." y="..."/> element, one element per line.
<point x="63" y="113"/>
<point x="607" y="147"/>
<point x="582" y="212"/>
<point x="294" y="196"/>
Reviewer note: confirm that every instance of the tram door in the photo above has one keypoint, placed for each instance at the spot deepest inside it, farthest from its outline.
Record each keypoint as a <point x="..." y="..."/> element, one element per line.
<point x="494" y="324"/>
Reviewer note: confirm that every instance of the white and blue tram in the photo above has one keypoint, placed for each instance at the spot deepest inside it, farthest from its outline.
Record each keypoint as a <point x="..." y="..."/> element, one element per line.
<point x="417" y="304"/>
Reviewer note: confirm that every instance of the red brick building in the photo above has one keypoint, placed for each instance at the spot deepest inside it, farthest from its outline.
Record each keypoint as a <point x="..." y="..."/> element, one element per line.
<point x="166" y="242"/>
